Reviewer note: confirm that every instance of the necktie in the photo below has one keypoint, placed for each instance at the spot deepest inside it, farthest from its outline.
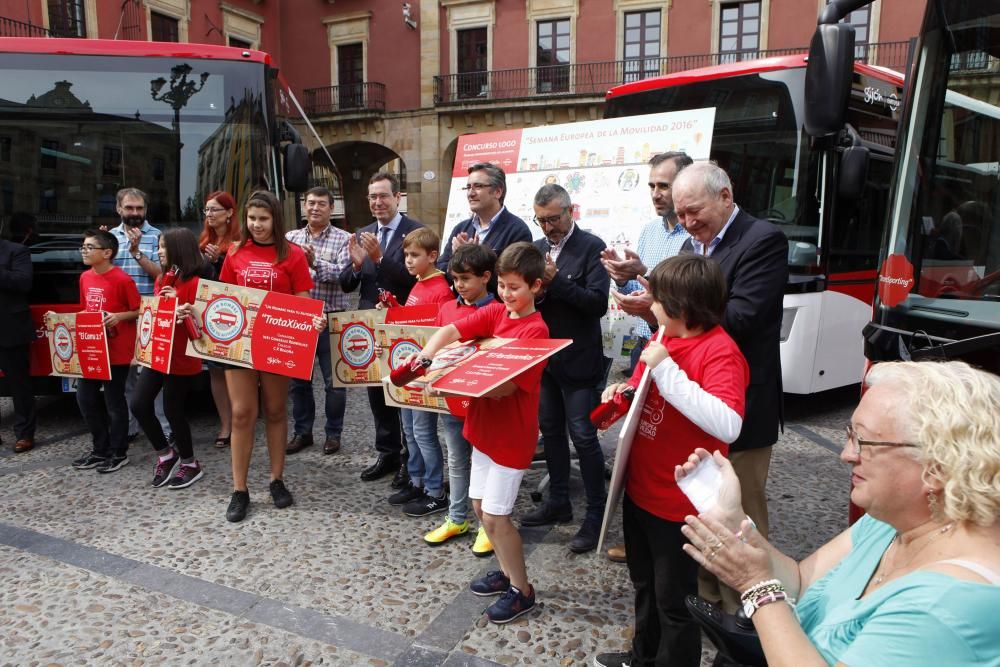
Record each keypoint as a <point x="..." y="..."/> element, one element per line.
<point x="383" y="234"/>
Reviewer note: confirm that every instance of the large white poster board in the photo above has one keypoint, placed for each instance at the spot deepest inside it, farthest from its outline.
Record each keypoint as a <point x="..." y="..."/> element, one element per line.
<point x="603" y="164"/>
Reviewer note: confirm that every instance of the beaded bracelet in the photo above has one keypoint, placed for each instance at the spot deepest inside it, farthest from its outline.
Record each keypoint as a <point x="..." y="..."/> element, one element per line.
<point x="751" y="606"/>
<point x="761" y="588"/>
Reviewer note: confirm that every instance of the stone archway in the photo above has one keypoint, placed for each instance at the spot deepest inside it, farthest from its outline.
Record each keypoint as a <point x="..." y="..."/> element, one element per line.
<point x="357" y="161"/>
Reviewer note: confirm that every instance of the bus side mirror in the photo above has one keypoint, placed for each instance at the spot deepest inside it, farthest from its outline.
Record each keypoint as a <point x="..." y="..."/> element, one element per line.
<point x="297" y="166"/>
<point x="853" y="173"/>
<point x="829" y="76"/>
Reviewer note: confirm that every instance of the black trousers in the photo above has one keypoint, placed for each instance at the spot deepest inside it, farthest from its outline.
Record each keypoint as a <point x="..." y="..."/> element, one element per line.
<point x="662" y="575"/>
<point x="106" y="413"/>
<point x="175" y="391"/>
<point x="388" y="428"/>
<point x="14" y="362"/>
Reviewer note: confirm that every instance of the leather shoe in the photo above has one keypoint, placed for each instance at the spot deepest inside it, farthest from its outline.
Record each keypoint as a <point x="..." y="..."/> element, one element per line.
<point x="616" y="554"/>
<point x="332" y="445"/>
<point x="384" y="465"/>
<point x="402" y="477"/>
<point x="24" y="445"/>
<point x="585" y="539"/>
<point x="298" y="443"/>
<point x="547" y="513"/>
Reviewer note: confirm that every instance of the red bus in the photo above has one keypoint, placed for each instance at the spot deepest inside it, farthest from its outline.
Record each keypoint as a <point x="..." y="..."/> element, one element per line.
<point x="81" y="118"/>
<point x="834" y="223"/>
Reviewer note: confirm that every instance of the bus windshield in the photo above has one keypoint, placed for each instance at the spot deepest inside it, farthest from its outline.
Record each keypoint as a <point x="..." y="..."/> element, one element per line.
<point x="75" y="129"/>
<point x="758" y="140"/>
<point x="947" y="194"/>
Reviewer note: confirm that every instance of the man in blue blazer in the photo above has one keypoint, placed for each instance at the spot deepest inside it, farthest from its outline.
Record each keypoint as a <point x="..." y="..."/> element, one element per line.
<point x="377" y="263"/>
<point x="16" y="335"/>
<point x="575" y="298"/>
<point x="491" y="223"/>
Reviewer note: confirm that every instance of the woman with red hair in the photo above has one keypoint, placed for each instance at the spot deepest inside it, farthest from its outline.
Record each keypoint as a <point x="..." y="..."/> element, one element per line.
<point x="221" y="229"/>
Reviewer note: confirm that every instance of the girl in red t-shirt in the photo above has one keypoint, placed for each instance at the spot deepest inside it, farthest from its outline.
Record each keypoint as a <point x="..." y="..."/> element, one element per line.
<point x="221" y="230"/>
<point x="262" y="259"/>
<point x="176" y="466"/>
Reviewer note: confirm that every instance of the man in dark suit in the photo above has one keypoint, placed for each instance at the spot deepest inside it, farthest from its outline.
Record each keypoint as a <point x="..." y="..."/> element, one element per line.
<point x="575" y="298"/>
<point x="377" y="263"/>
<point x="16" y="335"/>
<point x="491" y="223"/>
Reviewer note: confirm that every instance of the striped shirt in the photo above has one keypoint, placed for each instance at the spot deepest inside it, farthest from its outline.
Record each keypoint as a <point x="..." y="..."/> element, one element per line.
<point x="656" y="243"/>
<point x="332" y="256"/>
<point x="149" y="244"/>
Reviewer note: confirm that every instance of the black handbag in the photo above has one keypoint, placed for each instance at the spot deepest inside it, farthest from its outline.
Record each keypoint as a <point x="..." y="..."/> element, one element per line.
<point x="733" y="634"/>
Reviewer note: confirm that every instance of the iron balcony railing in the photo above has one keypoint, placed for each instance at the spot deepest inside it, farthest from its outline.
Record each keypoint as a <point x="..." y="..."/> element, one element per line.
<point x="595" y="78"/>
<point x="13" y="28"/>
<point x="367" y="96"/>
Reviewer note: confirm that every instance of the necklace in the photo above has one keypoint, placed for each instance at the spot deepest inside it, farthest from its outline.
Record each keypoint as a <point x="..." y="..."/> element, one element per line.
<point x="936" y="535"/>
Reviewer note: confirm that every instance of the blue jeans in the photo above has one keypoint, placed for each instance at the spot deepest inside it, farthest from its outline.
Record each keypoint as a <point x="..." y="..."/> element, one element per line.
<point x="424" y="461"/>
<point x="303" y="405"/>
<point x="459" y="463"/>
<point x="561" y="408"/>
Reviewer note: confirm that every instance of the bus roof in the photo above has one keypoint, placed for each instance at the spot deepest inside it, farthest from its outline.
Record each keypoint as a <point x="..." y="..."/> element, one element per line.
<point x="739" y="69"/>
<point x="128" y="48"/>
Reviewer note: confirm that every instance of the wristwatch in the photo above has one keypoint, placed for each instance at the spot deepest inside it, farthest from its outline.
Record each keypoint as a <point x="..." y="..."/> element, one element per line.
<point x="137" y="256"/>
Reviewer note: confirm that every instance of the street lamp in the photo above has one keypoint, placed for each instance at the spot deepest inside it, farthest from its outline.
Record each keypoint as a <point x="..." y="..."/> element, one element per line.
<point x="180" y="91"/>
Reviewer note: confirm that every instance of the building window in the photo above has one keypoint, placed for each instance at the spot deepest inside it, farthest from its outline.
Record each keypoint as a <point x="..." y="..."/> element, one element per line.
<point x="642" y="45"/>
<point x="112" y="163"/>
<point x="240" y="43"/>
<point x="861" y="20"/>
<point x="50" y="152"/>
<point x="552" y="56"/>
<point x="351" y="75"/>
<point x="67" y="18"/>
<point x="159" y="168"/>
<point x="739" y="31"/>
<point x="472" y="56"/>
<point x="5" y="146"/>
<point x="164" y="28"/>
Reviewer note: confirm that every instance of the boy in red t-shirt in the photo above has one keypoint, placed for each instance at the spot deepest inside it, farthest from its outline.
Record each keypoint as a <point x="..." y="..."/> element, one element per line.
<point x="471" y="268"/>
<point x="106" y="288"/>
<point x="424" y="493"/>
<point x="696" y="399"/>
<point x="503" y="425"/>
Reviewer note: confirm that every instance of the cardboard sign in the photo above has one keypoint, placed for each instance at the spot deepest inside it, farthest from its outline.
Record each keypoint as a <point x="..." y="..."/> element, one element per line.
<point x="356" y="352"/>
<point x="78" y="345"/>
<point x="402" y="342"/>
<point x="258" y="329"/>
<point x="154" y="338"/>
<point x="477" y="374"/>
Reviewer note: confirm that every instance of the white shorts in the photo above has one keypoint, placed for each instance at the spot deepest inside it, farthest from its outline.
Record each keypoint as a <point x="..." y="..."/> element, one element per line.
<point x="493" y="484"/>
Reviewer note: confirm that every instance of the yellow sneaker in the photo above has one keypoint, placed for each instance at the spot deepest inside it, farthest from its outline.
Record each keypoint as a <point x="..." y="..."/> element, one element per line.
<point x="482" y="548"/>
<point x="445" y="532"/>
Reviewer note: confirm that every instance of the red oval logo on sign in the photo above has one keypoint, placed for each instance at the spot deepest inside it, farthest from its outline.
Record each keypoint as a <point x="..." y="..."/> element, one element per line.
<point x="895" y="280"/>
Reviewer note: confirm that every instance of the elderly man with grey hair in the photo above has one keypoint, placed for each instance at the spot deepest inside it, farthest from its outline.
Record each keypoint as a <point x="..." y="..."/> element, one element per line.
<point x="574" y="300"/>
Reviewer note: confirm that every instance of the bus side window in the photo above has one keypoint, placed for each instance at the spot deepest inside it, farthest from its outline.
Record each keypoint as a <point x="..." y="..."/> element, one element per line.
<point x="857" y="235"/>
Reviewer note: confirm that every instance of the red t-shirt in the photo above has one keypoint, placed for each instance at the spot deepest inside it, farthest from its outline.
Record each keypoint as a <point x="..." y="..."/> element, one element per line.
<point x="434" y="289"/>
<point x="665" y="437"/>
<point x="506" y="428"/>
<point x="112" y="292"/>
<point x="454" y="310"/>
<point x="253" y="266"/>
<point x="180" y="362"/>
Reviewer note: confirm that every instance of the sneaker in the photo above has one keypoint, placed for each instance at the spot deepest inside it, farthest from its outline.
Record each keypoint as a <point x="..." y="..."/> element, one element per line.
<point x="165" y="469"/>
<point x="87" y="462"/>
<point x="494" y="583"/>
<point x="281" y="496"/>
<point x="445" y="532"/>
<point x="512" y="604"/>
<point x="482" y="546"/>
<point x="238" y="505"/>
<point x="623" y="659"/>
<point x="187" y="474"/>
<point x="112" y="464"/>
<point x="405" y="495"/>
<point x="426" y="505"/>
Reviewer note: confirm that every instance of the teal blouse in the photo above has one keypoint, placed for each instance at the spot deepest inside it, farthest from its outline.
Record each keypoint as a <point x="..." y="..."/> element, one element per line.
<point x="922" y="618"/>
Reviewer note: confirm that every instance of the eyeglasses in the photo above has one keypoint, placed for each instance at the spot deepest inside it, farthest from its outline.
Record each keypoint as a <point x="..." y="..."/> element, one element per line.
<point x="213" y="211"/>
<point x="86" y="247"/>
<point x="857" y="442"/>
<point x="475" y="186"/>
<point x="380" y="196"/>
<point x="549" y="220"/>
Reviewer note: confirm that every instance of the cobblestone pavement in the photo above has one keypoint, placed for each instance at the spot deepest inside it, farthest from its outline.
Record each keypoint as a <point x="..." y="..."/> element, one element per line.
<point x="106" y="570"/>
